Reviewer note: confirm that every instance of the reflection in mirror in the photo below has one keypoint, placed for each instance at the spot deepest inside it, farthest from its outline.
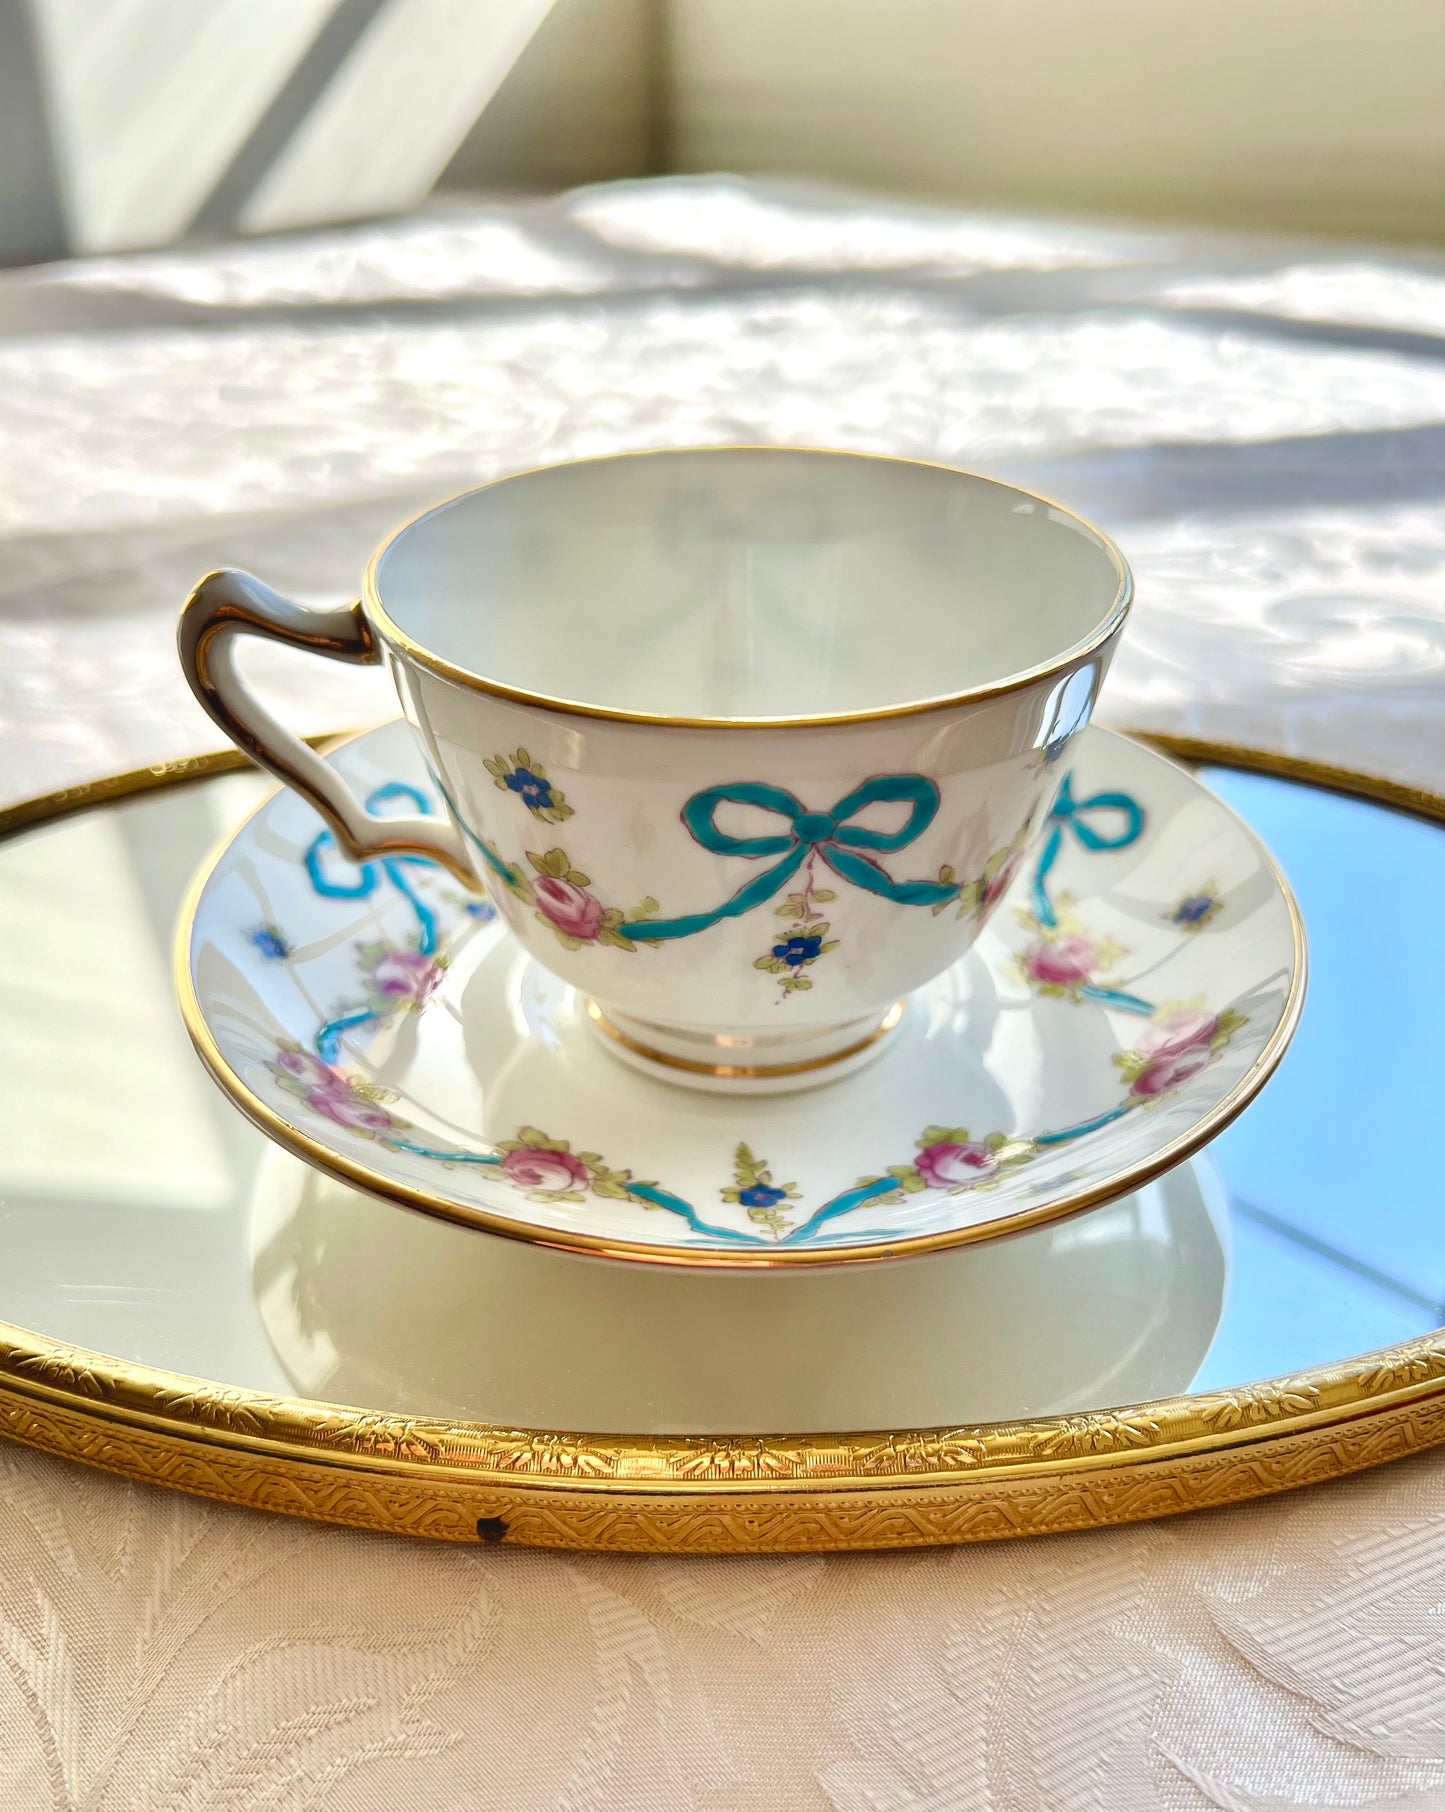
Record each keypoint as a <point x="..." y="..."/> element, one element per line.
<point x="142" y="1217"/>
<point x="1333" y="1179"/>
<point x="365" y="1302"/>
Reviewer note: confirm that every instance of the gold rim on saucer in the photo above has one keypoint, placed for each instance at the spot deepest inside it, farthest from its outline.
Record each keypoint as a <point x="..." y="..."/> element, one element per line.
<point x="473" y="1483"/>
<point x="344" y="1168"/>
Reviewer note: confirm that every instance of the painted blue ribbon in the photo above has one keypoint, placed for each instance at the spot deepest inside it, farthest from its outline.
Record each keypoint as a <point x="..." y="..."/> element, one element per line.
<point x="391" y="866"/>
<point x="1068" y="815"/>
<point x="827" y="834"/>
<point x="643" y="1192"/>
<point x="327" y="1042"/>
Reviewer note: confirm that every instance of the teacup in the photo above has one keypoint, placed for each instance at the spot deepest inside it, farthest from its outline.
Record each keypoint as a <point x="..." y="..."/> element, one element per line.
<point x="746" y="743"/>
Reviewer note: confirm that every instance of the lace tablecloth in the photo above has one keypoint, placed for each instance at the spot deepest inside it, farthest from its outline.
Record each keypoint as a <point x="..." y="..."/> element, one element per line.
<point x="1263" y="428"/>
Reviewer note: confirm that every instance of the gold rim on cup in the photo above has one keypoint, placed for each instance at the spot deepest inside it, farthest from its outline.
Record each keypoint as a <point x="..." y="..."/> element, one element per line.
<point x="379" y="616"/>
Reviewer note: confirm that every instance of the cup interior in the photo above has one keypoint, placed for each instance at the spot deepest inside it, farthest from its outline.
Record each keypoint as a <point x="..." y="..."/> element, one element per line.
<point x="748" y="583"/>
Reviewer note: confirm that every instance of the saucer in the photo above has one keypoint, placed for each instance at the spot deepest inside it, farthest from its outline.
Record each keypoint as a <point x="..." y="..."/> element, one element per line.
<point x="1132" y="992"/>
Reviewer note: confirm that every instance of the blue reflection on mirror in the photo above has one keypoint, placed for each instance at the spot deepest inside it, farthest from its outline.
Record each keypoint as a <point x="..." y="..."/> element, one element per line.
<point x="1333" y="1174"/>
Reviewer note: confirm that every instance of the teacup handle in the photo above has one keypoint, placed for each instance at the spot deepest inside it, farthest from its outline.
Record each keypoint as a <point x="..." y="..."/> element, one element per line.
<point x="227" y="605"/>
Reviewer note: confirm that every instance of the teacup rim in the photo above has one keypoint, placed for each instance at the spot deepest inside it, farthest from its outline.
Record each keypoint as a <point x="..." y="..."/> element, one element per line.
<point x="1058" y="664"/>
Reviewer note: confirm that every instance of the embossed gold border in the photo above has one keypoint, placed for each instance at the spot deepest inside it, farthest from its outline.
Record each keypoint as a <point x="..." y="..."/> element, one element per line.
<point x="784" y="1494"/>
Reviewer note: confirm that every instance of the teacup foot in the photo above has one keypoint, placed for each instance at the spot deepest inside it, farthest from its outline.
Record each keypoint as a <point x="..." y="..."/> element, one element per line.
<point x="768" y="1063"/>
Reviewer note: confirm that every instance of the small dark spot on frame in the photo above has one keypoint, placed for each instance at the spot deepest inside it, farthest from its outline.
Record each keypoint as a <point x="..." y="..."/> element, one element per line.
<point x="492" y="1529"/>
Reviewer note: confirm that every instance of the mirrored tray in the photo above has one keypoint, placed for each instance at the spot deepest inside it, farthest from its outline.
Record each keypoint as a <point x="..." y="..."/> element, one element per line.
<point x="1195" y="1344"/>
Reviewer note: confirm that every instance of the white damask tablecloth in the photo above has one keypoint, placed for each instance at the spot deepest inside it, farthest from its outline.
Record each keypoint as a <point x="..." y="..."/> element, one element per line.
<point x="1263" y="428"/>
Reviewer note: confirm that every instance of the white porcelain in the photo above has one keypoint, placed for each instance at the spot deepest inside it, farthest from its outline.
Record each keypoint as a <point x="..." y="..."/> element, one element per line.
<point x="365" y="1305"/>
<point x="1136" y="988"/>
<point x="742" y="740"/>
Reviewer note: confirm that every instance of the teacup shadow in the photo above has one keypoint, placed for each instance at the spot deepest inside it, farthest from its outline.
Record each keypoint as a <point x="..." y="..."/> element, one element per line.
<point x="370" y="1305"/>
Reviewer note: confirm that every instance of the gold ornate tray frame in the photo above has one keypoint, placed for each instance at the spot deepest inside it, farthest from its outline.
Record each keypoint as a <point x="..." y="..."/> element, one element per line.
<point x="469" y="1482"/>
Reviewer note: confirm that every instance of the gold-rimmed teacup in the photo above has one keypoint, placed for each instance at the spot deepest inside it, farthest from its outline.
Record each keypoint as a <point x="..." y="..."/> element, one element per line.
<point x="746" y="743"/>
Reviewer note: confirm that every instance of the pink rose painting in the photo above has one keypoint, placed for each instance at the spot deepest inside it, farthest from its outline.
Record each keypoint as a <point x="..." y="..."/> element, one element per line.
<point x="328" y="1093"/>
<point x="398" y="980"/>
<point x="1063" y="958"/>
<point x="1061" y="962"/>
<point x="550" y="1172"/>
<point x="1177" y="1032"/>
<point x="1180" y="1040"/>
<point x="564" y="902"/>
<point x="549" y="1169"/>
<point x="949" y="1157"/>
<point x="311" y="1071"/>
<point x="947" y="1165"/>
<point x="405" y="975"/>
<point x="569" y="907"/>
<point x="998" y="883"/>
<point x="351" y="1111"/>
<point x="977" y="898"/>
<point x="1161" y="1074"/>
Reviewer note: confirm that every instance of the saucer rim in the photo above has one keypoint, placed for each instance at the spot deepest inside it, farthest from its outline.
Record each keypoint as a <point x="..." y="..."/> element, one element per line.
<point x="357" y="1175"/>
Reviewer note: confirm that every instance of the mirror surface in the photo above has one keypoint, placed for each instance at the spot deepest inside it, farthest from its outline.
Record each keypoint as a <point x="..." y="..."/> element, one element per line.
<point x="141" y="1217"/>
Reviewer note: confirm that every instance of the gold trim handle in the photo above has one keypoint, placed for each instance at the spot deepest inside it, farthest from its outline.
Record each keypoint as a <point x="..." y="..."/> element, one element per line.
<point x="228" y="605"/>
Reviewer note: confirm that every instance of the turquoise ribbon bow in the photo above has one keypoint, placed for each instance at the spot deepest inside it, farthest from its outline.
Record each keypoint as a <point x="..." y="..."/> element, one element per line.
<point x="1068" y="815"/>
<point x="828" y="834"/>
